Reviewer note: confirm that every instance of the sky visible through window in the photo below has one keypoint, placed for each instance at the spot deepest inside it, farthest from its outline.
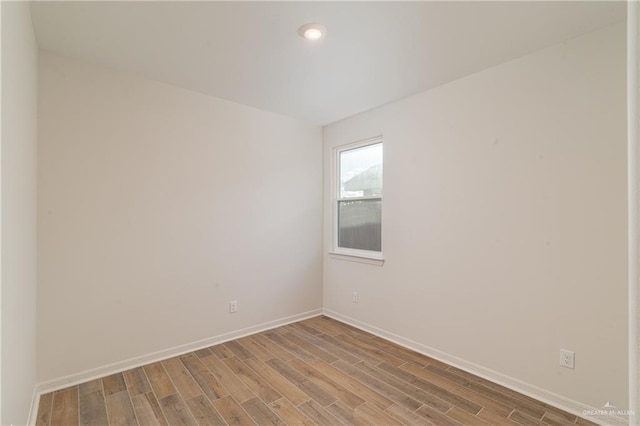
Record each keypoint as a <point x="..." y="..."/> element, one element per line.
<point x="358" y="161"/>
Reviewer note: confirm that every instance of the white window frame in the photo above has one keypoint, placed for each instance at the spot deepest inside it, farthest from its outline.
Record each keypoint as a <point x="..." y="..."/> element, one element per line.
<point x="365" y="256"/>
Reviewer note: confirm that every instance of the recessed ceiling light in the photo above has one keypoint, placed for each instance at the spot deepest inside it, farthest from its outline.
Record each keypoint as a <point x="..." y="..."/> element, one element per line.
<point x="312" y="32"/>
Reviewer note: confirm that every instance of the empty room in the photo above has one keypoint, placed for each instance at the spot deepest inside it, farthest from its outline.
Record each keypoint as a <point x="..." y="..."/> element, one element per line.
<point x="331" y="213"/>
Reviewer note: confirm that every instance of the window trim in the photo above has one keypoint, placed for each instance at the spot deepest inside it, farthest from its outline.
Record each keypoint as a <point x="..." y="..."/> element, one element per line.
<point x="349" y="254"/>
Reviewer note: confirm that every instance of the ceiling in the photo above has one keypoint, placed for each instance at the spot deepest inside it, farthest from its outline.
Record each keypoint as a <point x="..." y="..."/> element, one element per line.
<point x="249" y="52"/>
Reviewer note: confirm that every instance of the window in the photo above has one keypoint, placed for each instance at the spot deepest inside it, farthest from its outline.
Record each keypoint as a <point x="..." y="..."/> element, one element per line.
<point x="358" y="200"/>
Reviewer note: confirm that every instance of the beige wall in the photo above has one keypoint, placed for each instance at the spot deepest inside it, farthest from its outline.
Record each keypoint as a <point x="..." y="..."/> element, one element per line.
<point x="19" y="165"/>
<point x="157" y="206"/>
<point x="504" y="220"/>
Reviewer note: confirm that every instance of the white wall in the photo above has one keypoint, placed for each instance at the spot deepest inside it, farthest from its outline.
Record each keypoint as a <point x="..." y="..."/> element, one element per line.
<point x="633" y="203"/>
<point x="505" y="219"/>
<point x="157" y="206"/>
<point x="19" y="162"/>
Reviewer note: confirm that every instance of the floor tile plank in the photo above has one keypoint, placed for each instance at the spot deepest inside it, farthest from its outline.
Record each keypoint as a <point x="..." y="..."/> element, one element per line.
<point x="286" y="371"/>
<point x="203" y="352"/>
<point x="238" y="350"/>
<point x="325" y="327"/>
<point x="136" y="381"/>
<point x="44" y="410"/>
<point x="232" y="383"/>
<point x="176" y="411"/>
<point x="525" y="404"/>
<point x="147" y="409"/>
<point x="257" y="350"/>
<point x="221" y="351"/>
<point x="329" y="348"/>
<point x="352" y="384"/>
<point x="495" y="418"/>
<point x="379" y="386"/>
<point x="181" y="378"/>
<point x="204" y="412"/>
<point x="316" y="392"/>
<point x="159" y="380"/>
<point x="426" y="398"/>
<point x="405" y="416"/>
<point x="278" y="382"/>
<point x="211" y="387"/>
<point x="457" y="389"/>
<point x="524" y="419"/>
<point x="306" y="328"/>
<point x="318" y="414"/>
<point x="93" y="410"/>
<point x="253" y="380"/>
<point x="379" y="354"/>
<point x="294" y="349"/>
<point x="272" y="347"/>
<point x="550" y="418"/>
<point x="342" y="394"/>
<point x="260" y="413"/>
<point x="436" y="417"/>
<point x="375" y="415"/>
<point x="92" y="386"/>
<point x="120" y="410"/>
<point x="65" y="407"/>
<point x="314" y="350"/>
<point x="113" y="384"/>
<point x="464" y="417"/>
<point x="232" y="412"/>
<point x="317" y="371"/>
<point x="285" y="410"/>
<point x="426" y="386"/>
<point x="347" y="415"/>
<point x="361" y="354"/>
<point x="527" y="407"/>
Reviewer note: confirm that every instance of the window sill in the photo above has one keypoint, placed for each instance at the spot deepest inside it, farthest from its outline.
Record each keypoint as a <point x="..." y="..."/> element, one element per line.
<point x="370" y="260"/>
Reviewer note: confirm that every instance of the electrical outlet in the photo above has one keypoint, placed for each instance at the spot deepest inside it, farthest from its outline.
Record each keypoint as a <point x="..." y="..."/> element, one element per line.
<point x="354" y="297"/>
<point x="567" y="359"/>
<point x="233" y="306"/>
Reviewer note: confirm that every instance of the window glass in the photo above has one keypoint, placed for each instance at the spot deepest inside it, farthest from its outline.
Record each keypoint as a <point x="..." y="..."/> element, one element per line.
<point x="360" y="224"/>
<point x="361" y="172"/>
<point x="359" y="202"/>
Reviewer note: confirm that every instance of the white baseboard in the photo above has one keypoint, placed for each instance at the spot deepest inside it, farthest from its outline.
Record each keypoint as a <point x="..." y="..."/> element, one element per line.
<point x="117" y="367"/>
<point x="530" y="390"/>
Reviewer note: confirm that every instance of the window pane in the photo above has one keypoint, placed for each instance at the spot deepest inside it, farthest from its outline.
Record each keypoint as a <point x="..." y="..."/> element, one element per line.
<point x="360" y="225"/>
<point x="361" y="172"/>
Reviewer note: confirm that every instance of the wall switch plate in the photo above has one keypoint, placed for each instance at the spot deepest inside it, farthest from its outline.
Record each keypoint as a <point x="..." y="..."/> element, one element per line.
<point x="567" y="359"/>
<point x="233" y="306"/>
<point x="355" y="297"/>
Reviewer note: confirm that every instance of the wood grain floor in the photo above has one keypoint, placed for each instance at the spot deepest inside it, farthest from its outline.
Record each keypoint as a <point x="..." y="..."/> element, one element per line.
<point x="317" y="371"/>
